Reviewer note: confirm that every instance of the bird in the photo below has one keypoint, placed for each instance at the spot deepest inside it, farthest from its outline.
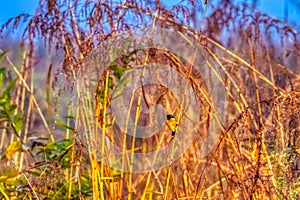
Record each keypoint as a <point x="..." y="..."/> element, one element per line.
<point x="172" y="124"/>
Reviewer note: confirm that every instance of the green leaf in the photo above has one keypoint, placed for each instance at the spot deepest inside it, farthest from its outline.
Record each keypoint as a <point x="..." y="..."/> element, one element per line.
<point x="4" y="119"/>
<point x="2" y="70"/>
<point x="3" y="191"/>
<point x="63" y="125"/>
<point x="48" y="90"/>
<point x="2" y="101"/>
<point x="118" y="70"/>
<point x="3" y="54"/>
<point x="70" y="117"/>
<point x="113" y="65"/>
<point x="100" y="96"/>
<point x="7" y="91"/>
<point x="63" y="144"/>
<point x="10" y="108"/>
<point x="110" y="83"/>
<point x="55" y="150"/>
<point x="1" y="80"/>
<point x="62" y="152"/>
<point x="121" y="85"/>
<point x="18" y="122"/>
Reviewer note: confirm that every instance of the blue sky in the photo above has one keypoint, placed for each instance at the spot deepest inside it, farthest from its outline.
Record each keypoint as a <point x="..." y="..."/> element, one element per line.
<point x="11" y="8"/>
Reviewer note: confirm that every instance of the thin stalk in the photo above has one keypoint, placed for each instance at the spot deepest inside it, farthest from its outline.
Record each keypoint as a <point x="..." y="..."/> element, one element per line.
<point x="169" y="172"/>
<point x="24" y="66"/>
<point x="137" y="114"/>
<point x="259" y="74"/>
<point x="124" y="151"/>
<point x="103" y="134"/>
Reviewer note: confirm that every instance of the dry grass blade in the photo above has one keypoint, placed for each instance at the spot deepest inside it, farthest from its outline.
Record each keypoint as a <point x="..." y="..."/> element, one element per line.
<point x="245" y="85"/>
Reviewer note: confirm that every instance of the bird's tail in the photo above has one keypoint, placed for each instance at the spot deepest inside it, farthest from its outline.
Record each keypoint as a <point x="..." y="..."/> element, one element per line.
<point x="173" y="133"/>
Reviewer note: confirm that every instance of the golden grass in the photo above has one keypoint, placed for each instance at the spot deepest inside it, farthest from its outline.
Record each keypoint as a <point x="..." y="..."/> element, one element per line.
<point x="256" y="150"/>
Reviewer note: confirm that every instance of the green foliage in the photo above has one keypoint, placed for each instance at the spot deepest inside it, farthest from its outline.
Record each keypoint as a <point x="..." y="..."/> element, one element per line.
<point x="52" y="156"/>
<point x="121" y="85"/>
<point x="57" y="151"/>
<point x="8" y="110"/>
<point x="4" y="194"/>
<point x="285" y="181"/>
<point x="3" y="54"/>
<point x="118" y="70"/>
<point x="63" y="125"/>
<point x="119" y="65"/>
<point x="235" y="38"/>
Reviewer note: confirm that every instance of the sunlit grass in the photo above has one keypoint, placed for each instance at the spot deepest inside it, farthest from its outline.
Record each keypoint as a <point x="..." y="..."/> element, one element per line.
<point x="62" y="153"/>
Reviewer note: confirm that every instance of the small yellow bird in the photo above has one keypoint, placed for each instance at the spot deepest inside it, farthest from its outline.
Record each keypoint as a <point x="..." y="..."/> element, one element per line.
<point x="172" y="124"/>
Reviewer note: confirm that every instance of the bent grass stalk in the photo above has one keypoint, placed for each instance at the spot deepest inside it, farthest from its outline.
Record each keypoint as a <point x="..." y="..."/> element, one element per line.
<point x="264" y="78"/>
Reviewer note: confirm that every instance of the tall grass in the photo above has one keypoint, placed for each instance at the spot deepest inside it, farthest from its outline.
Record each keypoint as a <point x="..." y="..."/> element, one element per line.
<point x="56" y="145"/>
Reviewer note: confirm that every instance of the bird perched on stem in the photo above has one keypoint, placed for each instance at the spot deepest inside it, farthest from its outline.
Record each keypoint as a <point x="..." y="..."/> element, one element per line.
<point x="172" y="124"/>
